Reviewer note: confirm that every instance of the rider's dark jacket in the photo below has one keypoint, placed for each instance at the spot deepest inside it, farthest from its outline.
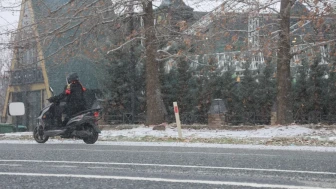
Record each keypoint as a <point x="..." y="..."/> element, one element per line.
<point x="74" y="95"/>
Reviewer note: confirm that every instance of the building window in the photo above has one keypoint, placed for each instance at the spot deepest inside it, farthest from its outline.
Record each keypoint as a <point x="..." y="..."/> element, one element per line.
<point x="253" y="31"/>
<point x="296" y="60"/>
<point x="325" y="51"/>
<point x="194" y="61"/>
<point x="221" y="62"/>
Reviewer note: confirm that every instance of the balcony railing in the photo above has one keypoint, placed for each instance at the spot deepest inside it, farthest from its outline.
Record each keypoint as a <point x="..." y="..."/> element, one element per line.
<point x="25" y="76"/>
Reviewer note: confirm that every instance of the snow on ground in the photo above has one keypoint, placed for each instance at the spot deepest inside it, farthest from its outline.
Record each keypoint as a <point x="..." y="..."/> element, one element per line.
<point x="16" y="134"/>
<point x="263" y="133"/>
<point x="267" y="132"/>
<point x="293" y="131"/>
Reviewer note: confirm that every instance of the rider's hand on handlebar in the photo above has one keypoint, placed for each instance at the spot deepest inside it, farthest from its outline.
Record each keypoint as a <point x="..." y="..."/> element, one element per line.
<point x="50" y="99"/>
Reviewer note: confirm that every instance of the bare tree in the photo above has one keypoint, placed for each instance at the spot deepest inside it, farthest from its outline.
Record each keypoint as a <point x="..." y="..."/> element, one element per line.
<point x="282" y="29"/>
<point x="155" y="112"/>
<point x="316" y="16"/>
<point x="284" y="110"/>
<point x="4" y="66"/>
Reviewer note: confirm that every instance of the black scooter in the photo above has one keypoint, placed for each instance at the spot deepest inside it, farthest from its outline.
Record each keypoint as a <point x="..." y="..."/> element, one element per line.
<point x="83" y="125"/>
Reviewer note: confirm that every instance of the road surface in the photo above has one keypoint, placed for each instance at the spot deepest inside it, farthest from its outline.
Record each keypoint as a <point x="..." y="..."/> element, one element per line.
<point x="112" y="166"/>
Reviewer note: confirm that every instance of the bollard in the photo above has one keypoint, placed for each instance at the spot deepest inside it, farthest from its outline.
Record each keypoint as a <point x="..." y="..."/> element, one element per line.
<point x="177" y="117"/>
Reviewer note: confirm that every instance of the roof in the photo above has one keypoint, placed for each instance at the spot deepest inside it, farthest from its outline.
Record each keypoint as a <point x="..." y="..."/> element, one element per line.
<point x="173" y="4"/>
<point x="243" y="7"/>
<point x="225" y="27"/>
<point x="60" y="57"/>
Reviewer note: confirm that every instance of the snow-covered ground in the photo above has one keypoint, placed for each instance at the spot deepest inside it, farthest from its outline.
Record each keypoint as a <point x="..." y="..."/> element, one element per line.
<point x="267" y="132"/>
<point x="292" y="133"/>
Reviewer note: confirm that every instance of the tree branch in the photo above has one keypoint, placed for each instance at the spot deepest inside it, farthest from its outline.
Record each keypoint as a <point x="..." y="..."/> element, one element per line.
<point x="108" y="52"/>
<point x="167" y="58"/>
<point x="310" y="46"/>
<point x="59" y="8"/>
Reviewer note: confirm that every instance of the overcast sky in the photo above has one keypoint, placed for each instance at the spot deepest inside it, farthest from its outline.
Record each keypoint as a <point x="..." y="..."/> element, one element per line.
<point x="9" y="16"/>
<point x="9" y="19"/>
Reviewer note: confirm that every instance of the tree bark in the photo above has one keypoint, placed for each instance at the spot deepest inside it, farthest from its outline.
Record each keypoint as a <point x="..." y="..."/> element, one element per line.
<point x="284" y="108"/>
<point x="132" y="66"/>
<point x="154" y="109"/>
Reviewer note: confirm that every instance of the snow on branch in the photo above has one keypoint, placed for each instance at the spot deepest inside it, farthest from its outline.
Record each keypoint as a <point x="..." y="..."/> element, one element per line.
<point x="121" y="46"/>
<point x="168" y="57"/>
<point x="64" y="5"/>
<point x="311" y="46"/>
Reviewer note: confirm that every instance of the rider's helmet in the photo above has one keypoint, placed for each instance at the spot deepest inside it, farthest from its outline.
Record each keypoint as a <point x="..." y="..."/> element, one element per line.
<point x="72" y="77"/>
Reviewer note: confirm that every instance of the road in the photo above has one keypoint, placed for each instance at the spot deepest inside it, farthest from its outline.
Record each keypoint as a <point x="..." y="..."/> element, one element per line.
<point x="112" y="166"/>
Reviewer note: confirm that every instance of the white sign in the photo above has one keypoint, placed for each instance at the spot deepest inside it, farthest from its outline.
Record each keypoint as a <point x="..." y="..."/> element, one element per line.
<point x="16" y="109"/>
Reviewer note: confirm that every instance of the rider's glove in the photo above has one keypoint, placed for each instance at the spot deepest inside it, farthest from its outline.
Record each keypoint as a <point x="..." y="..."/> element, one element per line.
<point x="51" y="99"/>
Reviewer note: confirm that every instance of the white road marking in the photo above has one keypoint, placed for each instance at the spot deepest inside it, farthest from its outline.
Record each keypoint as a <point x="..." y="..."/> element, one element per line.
<point x="170" y="152"/>
<point x="209" y="182"/>
<point x="107" y="168"/>
<point x="11" y="165"/>
<point x="63" y="166"/>
<point x="175" y="166"/>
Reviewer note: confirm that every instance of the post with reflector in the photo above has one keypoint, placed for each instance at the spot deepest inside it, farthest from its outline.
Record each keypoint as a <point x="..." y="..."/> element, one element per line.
<point x="177" y="117"/>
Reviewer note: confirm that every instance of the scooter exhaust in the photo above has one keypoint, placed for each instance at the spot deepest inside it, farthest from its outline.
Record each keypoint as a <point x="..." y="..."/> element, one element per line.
<point x="81" y="134"/>
<point x="53" y="133"/>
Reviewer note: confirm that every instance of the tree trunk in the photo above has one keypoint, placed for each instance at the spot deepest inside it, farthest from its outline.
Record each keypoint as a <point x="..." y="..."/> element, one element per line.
<point x="154" y="109"/>
<point x="132" y="66"/>
<point x="284" y="108"/>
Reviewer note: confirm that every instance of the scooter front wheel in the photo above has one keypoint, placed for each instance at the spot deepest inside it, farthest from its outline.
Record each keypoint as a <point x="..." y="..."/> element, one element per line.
<point x="39" y="135"/>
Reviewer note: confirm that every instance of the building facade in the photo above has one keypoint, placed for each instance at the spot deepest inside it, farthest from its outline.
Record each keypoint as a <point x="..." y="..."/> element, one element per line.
<point x="40" y="61"/>
<point x="239" y="33"/>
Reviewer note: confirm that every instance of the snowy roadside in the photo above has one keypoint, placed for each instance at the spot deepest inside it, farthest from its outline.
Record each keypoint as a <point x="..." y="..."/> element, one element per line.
<point x="183" y="144"/>
<point x="293" y="135"/>
<point x="262" y="133"/>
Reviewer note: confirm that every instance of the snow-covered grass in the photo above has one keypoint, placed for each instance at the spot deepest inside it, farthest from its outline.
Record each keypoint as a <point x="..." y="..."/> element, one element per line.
<point x="293" y="135"/>
<point x="265" y="133"/>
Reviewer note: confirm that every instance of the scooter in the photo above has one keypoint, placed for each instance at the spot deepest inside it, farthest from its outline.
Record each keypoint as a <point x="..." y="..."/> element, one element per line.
<point x="83" y="125"/>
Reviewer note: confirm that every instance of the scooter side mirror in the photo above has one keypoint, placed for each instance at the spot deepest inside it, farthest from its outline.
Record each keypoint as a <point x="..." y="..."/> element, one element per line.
<point x="51" y="90"/>
<point x="99" y="99"/>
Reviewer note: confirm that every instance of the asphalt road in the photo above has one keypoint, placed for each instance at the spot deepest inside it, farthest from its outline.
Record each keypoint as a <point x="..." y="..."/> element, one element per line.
<point x="111" y="166"/>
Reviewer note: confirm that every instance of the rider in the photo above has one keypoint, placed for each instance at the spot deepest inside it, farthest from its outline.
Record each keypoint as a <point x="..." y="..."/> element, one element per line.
<point x="74" y="94"/>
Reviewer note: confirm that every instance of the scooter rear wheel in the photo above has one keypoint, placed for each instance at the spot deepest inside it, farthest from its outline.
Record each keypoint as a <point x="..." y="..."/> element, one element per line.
<point x="39" y="136"/>
<point x="92" y="139"/>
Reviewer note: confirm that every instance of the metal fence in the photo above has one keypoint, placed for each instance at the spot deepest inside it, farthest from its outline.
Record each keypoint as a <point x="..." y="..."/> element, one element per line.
<point x="247" y="118"/>
<point x="126" y="118"/>
<point x="315" y="117"/>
